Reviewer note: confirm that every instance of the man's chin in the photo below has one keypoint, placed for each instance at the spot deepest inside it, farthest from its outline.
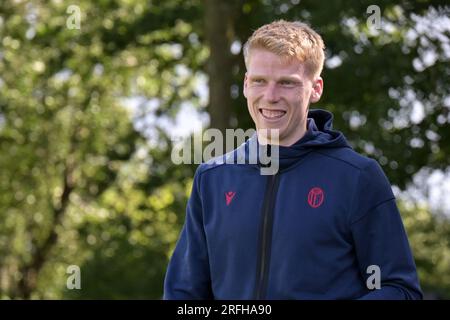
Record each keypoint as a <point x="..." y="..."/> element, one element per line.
<point x="269" y="135"/>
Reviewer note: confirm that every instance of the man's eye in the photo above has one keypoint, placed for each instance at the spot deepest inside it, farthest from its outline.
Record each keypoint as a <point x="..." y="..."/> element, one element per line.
<point x="287" y="83"/>
<point x="258" y="81"/>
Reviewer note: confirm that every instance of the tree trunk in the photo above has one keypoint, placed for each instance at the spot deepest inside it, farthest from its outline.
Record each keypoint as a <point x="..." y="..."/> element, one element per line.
<point x="219" y="26"/>
<point x="27" y="284"/>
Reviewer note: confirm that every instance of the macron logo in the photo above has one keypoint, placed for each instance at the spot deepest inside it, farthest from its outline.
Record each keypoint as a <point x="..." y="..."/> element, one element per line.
<point x="229" y="196"/>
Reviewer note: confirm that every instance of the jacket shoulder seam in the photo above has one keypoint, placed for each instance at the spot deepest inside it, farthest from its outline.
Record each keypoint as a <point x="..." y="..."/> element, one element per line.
<point x="343" y="160"/>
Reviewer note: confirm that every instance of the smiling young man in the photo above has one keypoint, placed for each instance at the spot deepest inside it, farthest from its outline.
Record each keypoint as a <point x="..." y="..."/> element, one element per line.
<point x="324" y="226"/>
<point x="279" y="88"/>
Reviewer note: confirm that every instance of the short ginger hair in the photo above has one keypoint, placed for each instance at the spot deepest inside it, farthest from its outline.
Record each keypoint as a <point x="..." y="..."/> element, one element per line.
<point x="290" y="40"/>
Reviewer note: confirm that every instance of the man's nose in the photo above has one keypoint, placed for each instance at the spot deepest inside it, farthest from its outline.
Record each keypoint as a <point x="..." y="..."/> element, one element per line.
<point x="271" y="93"/>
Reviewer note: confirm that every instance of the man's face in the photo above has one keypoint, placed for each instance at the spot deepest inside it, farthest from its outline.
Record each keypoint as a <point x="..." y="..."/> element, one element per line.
<point x="278" y="93"/>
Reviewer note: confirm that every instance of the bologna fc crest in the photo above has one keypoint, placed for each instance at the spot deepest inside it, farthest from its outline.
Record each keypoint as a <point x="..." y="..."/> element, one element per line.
<point x="315" y="197"/>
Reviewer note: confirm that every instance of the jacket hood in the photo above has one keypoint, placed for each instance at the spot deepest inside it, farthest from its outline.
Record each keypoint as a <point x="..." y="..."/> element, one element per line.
<point x="319" y="134"/>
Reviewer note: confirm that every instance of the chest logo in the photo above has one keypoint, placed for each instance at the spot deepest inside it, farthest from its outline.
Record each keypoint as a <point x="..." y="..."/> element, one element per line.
<point x="229" y="196"/>
<point x="315" y="197"/>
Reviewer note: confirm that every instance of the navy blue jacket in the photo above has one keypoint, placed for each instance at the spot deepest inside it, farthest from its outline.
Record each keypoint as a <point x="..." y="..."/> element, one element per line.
<point x="308" y="232"/>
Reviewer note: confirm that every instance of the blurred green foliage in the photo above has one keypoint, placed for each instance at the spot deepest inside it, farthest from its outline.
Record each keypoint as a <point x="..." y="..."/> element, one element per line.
<point x="429" y="237"/>
<point x="79" y="185"/>
<point x="84" y="178"/>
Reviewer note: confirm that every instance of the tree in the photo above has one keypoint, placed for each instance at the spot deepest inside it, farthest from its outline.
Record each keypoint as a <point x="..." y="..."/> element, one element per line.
<point x="220" y="19"/>
<point x="66" y="137"/>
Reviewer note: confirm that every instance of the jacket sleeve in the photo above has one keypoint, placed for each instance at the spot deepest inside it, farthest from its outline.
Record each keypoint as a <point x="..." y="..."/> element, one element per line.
<point x="380" y="238"/>
<point x="188" y="275"/>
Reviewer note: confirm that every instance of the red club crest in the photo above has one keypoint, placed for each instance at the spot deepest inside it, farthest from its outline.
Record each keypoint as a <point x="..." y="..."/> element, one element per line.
<point x="315" y="197"/>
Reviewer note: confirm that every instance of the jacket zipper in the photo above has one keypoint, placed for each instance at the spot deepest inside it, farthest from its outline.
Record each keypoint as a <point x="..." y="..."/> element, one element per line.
<point x="265" y="236"/>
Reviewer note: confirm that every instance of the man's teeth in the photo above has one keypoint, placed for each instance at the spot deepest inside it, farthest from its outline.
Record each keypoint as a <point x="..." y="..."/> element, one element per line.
<point x="272" y="113"/>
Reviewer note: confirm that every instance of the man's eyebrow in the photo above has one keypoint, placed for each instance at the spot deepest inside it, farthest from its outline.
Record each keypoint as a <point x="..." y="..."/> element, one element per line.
<point x="289" y="78"/>
<point x="255" y="76"/>
<point x="283" y="78"/>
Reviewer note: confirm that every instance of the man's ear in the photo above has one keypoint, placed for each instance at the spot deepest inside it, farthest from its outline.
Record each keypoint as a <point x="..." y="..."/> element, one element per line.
<point x="317" y="90"/>
<point x="245" y="85"/>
